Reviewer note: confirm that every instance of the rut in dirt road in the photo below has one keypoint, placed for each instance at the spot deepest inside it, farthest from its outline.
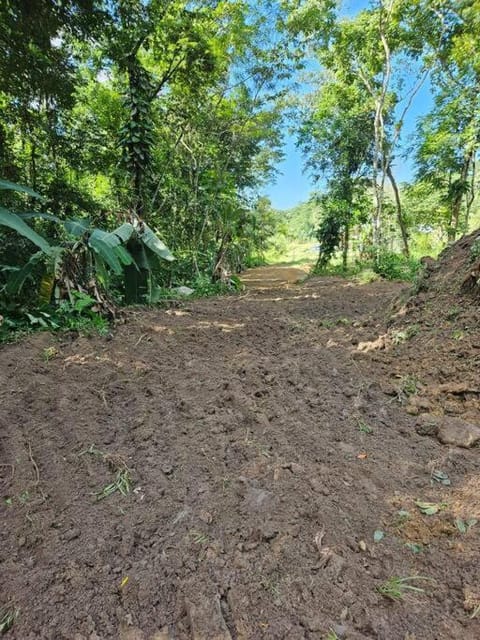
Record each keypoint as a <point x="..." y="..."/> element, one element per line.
<point x="263" y="445"/>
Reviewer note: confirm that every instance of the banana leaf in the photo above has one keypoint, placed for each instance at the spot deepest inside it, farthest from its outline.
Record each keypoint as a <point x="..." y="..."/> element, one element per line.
<point x="12" y="186"/>
<point x="11" y="220"/>
<point x="124" y="231"/>
<point x="109" y="247"/>
<point x="153" y="242"/>
<point x="17" y="279"/>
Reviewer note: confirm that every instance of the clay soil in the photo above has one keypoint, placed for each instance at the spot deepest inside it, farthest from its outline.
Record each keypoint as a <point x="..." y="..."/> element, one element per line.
<point x="265" y="438"/>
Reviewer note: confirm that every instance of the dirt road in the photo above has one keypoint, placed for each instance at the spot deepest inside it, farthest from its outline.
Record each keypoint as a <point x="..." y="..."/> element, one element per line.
<point x="270" y="475"/>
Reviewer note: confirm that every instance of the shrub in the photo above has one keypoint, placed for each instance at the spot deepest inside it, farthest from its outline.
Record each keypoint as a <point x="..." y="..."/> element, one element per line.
<point x="394" y="266"/>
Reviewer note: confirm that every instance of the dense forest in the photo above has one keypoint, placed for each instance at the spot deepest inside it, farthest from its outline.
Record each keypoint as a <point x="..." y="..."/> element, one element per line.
<point x="137" y="137"/>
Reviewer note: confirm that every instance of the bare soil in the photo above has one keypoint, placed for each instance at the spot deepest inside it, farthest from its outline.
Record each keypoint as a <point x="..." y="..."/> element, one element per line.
<point x="267" y="436"/>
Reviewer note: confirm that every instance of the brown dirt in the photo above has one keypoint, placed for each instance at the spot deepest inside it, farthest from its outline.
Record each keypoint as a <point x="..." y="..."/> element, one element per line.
<point x="256" y="488"/>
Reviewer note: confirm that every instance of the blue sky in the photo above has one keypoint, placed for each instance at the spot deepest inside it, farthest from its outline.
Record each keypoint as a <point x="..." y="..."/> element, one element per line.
<point x="293" y="184"/>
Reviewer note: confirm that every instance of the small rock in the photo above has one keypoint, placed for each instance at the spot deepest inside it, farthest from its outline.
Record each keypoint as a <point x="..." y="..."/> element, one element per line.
<point x="452" y="408"/>
<point x="412" y="410"/>
<point x="423" y="404"/>
<point x="427" y="425"/>
<point x="362" y="545"/>
<point x="457" y="432"/>
<point x="268" y="532"/>
<point x="388" y="389"/>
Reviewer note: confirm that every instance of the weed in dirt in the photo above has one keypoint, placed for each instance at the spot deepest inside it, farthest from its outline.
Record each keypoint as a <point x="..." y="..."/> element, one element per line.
<point x="398" y="337"/>
<point x="430" y="508"/>
<point x="8" y="615"/>
<point x="296" y="327"/>
<point x="49" y="353"/>
<point x="441" y="477"/>
<point x="93" y="451"/>
<point x="122" y="484"/>
<point x="401" y="518"/>
<point x="475" y="250"/>
<point x="24" y="497"/>
<point x="123" y="478"/>
<point x="331" y="635"/>
<point x="476" y="612"/>
<point x="453" y="312"/>
<point x="396" y="588"/>
<point x="262" y="449"/>
<point x="465" y="525"/>
<point x="198" y="537"/>
<point x="226" y="484"/>
<point x="271" y="586"/>
<point x="326" y="323"/>
<point x="414" y="547"/>
<point x="458" y="334"/>
<point x="363" y="427"/>
<point x="409" y="386"/>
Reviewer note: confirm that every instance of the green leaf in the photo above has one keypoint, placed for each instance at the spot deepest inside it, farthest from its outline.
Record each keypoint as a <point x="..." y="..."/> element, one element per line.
<point x="12" y="186"/>
<point x="153" y="242"/>
<point x="461" y="525"/>
<point x="100" y="243"/>
<point x="100" y="269"/>
<point x="38" y="214"/>
<point x="378" y="535"/>
<point x="109" y="247"/>
<point x="441" y="476"/>
<point x="77" y="227"/>
<point x="124" y="231"/>
<point x="11" y="220"/>
<point x="415" y="548"/>
<point x="17" y="279"/>
<point x="429" y="508"/>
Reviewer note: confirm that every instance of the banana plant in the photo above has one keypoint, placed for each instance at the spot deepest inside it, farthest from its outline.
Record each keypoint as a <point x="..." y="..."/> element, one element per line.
<point x="85" y="259"/>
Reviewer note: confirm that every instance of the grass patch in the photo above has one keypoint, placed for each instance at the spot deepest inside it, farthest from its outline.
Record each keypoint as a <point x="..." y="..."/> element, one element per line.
<point x="363" y="427"/>
<point x="123" y="479"/>
<point x="396" y="588"/>
<point x="122" y="484"/>
<point x="8" y="615"/>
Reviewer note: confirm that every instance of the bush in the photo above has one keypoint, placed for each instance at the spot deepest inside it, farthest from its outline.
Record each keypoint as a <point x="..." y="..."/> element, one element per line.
<point x="394" y="266"/>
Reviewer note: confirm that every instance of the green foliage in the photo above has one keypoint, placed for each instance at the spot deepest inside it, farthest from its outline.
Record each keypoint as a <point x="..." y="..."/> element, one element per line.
<point x="475" y="250"/>
<point x="81" y="261"/>
<point x="394" y="266"/>
<point x="396" y="588"/>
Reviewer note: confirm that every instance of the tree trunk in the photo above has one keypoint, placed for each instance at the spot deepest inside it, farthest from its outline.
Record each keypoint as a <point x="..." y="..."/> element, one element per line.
<point x="457" y="200"/>
<point x="398" y="208"/>
<point x="346" y="242"/>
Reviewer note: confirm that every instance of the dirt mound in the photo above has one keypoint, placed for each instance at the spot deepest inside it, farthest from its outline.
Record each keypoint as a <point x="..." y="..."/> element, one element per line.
<point x="241" y="468"/>
<point x="434" y="335"/>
